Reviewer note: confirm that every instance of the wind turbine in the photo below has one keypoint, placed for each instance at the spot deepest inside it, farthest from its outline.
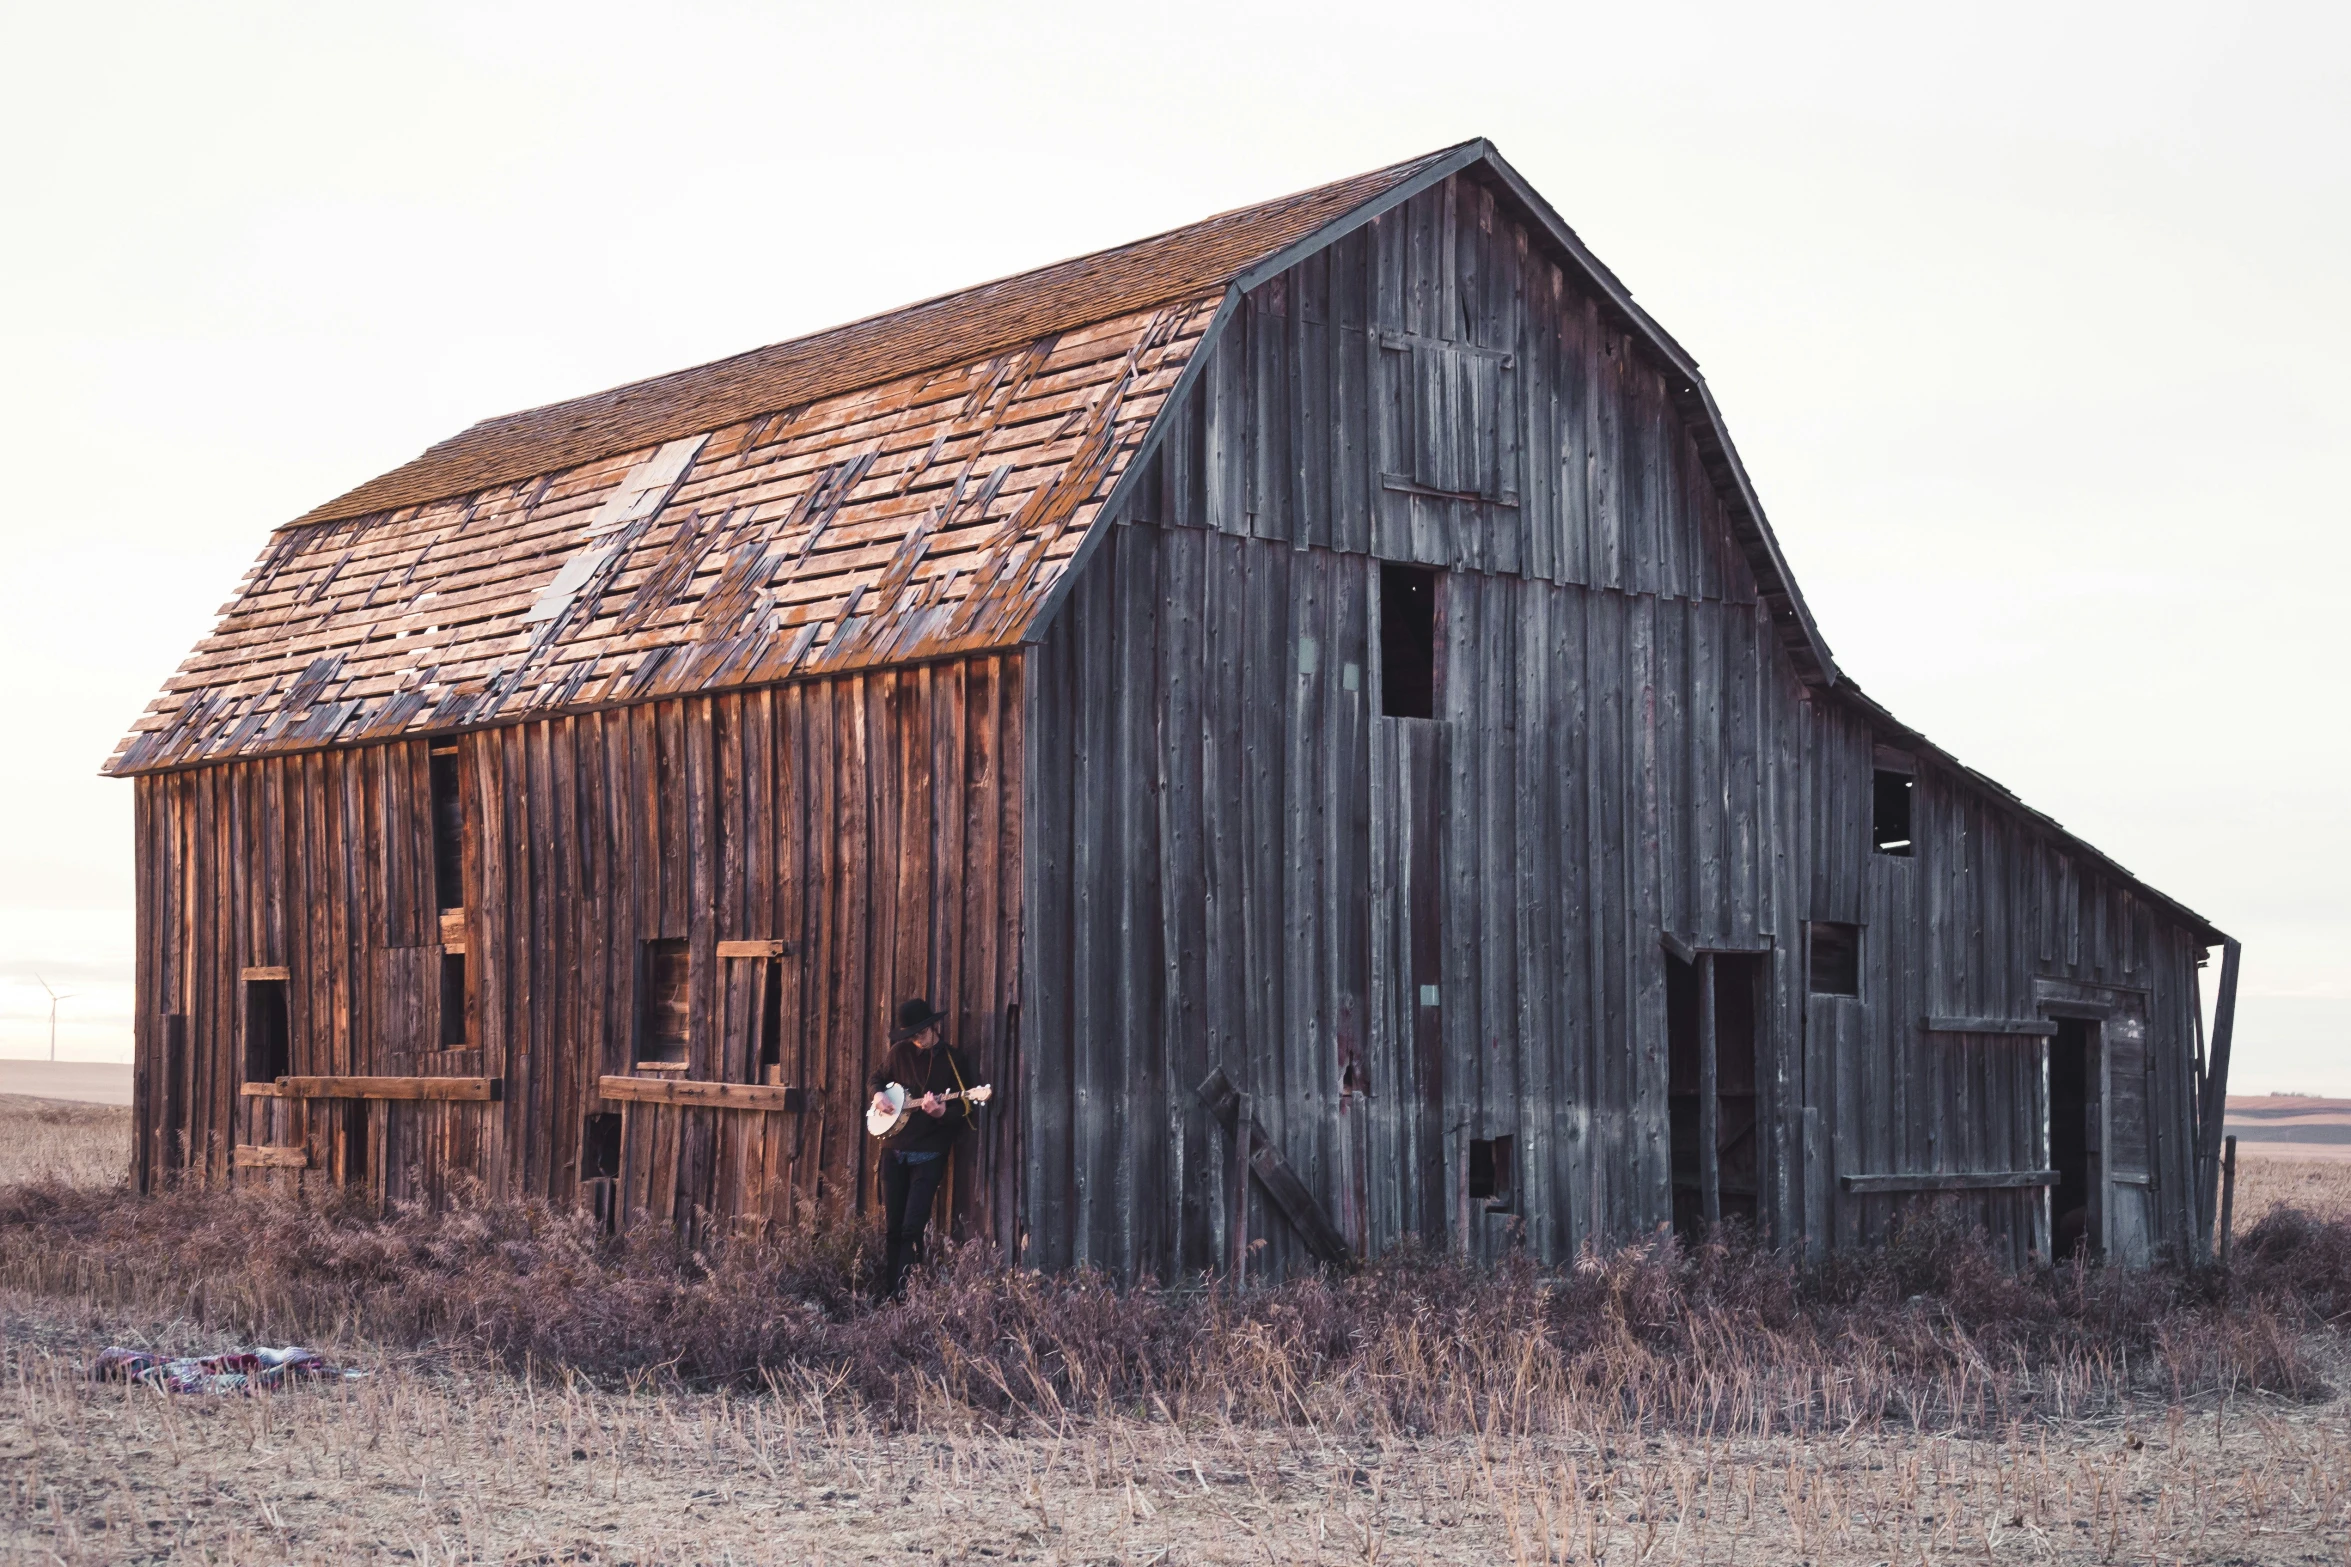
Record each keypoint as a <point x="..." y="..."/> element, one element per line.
<point x="54" y="998"/>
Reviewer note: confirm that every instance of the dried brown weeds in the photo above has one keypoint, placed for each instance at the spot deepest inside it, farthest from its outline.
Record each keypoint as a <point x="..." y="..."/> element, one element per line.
<point x="1931" y="1332"/>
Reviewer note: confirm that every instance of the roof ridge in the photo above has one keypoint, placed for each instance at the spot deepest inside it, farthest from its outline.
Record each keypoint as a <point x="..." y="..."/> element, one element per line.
<point x="956" y="327"/>
<point x="1404" y="167"/>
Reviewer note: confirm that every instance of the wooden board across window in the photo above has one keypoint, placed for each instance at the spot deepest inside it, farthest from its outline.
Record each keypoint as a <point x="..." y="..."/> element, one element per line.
<point x="697" y="1091"/>
<point x="461" y="1088"/>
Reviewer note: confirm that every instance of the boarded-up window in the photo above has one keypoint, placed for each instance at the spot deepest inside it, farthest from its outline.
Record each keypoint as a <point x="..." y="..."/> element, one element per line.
<point x="1459" y="433"/>
<point x="751" y="1000"/>
<point x="664" y="997"/>
<point x="1458" y="398"/>
<point x="2126" y="1097"/>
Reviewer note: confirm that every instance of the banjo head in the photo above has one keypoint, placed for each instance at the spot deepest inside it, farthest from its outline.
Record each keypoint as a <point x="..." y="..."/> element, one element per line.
<point x="880" y="1124"/>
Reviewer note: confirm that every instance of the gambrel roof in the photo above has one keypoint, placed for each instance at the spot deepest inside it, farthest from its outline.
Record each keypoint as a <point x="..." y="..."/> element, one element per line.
<point x="912" y="486"/>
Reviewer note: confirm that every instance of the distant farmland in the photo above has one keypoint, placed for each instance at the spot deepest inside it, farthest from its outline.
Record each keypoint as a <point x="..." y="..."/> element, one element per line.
<point x="2290" y="1126"/>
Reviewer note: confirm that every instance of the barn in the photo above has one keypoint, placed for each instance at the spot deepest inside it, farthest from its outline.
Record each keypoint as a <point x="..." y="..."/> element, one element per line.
<point x="1313" y="695"/>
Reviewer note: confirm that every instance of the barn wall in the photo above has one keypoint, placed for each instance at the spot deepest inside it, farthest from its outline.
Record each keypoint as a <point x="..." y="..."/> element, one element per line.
<point x="1250" y="864"/>
<point x="872" y="822"/>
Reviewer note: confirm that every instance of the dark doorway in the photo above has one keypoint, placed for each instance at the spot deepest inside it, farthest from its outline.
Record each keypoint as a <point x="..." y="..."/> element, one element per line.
<point x="1712" y="1030"/>
<point x="2076" y="1216"/>
<point x="268" y="1048"/>
<point x="1736" y="1008"/>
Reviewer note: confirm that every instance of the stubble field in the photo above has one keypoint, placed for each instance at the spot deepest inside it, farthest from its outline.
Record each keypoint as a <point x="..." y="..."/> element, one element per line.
<point x="449" y="1452"/>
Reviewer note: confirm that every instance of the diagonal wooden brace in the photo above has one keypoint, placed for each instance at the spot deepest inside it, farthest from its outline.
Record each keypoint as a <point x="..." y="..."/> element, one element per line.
<point x="1273" y="1172"/>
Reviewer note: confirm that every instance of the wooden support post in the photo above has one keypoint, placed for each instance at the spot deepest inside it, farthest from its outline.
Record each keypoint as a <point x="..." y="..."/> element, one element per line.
<point x="2228" y="1196"/>
<point x="2213" y="1100"/>
<point x="1237" y="1230"/>
<point x="1709" y="1102"/>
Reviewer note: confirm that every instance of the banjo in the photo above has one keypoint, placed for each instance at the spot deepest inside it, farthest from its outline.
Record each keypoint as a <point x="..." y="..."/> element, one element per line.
<point x="881" y="1123"/>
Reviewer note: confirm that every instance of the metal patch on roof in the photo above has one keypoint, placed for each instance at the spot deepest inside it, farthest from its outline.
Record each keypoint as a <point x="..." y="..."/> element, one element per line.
<point x="646" y="489"/>
<point x="647" y="486"/>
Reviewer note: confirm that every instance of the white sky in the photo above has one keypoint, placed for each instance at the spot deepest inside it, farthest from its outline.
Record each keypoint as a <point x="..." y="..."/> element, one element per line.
<point x="2029" y="320"/>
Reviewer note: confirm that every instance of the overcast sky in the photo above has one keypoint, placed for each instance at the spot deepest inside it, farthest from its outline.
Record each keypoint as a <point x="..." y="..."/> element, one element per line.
<point x="2030" y="323"/>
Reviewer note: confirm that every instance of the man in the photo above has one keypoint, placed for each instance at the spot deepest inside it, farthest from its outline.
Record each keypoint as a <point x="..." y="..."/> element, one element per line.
<point x="914" y="1157"/>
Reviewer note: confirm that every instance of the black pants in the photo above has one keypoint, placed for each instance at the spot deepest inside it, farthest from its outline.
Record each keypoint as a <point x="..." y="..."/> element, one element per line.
<point x="907" y="1191"/>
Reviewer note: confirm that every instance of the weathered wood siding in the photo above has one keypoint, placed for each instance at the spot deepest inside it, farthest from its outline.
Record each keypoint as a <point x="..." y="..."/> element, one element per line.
<point x="872" y="822"/>
<point x="1237" y="862"/>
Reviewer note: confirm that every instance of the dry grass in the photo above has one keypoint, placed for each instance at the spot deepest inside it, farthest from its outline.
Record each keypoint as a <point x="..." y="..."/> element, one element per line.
<point x="428" y="1463"/>
<point x="2321" y="1187"/>
<point x="82" y="1145"/>
<point x="1649" y="1407"/>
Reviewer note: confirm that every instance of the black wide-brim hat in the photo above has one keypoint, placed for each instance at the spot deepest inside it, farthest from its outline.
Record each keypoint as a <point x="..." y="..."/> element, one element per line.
<point x="914" y="1016"/>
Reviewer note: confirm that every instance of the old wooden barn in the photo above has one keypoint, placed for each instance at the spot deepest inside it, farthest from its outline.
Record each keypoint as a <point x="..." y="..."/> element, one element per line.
<point x="1334" y="646"/>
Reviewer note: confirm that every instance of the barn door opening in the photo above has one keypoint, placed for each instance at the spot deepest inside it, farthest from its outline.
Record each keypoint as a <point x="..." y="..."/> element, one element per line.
<point x="2077" y="1208"/>
<point x="1711" y="1023"/>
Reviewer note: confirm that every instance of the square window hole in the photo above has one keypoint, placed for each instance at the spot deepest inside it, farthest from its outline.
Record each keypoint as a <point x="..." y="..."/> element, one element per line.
<point x="1836" y="959"/>
<point x="1889" y="817"/>
<point x="1489" y="1172"/>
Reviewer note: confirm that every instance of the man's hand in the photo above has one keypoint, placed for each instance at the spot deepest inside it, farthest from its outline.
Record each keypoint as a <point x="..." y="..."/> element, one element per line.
<point x="932" y="1104"/>
<point x="881" y="1102"/>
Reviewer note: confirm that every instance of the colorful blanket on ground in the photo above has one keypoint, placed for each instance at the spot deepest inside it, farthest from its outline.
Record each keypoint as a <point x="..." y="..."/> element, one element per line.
<point x="255" y="1370"/>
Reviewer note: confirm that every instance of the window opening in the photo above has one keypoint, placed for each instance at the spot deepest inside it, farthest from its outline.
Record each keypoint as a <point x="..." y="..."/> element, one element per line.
<point x="1489" y="1172"/>
<point x="771" y="1023"/>
<point x="600" y="1147"/>
<point x="1889" y="817"/>
<point x="661" y="1019"/>
<point x="448" y="831"/>
<point x="268" y="1050"/>
<point x="1408" y="641"/>
<point x="454" y="1033"/>
<point x="1836" y="959"/>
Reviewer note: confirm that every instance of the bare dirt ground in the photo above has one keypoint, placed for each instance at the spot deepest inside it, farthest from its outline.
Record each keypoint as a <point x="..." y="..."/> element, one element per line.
<point x="426" y="1461"/>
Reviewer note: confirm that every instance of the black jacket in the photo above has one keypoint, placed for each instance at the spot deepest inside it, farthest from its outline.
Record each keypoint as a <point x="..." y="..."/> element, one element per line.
<point x="919" y="1071"/>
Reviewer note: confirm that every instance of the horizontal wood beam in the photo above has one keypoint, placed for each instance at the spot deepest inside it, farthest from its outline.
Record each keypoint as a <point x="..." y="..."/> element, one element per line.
<point x="1960" y="1181"/>
<point x="2039" y="1027"/>
<point x="466" y="1088"/>
<point x="696" y="1091"/>
<point x="263" y="971"/>
<point x="253" y="1156"/>
<point x="754" y="949"/>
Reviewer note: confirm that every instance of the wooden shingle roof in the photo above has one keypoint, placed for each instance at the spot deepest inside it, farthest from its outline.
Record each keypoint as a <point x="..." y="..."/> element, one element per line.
<point x="908" y="486"/>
